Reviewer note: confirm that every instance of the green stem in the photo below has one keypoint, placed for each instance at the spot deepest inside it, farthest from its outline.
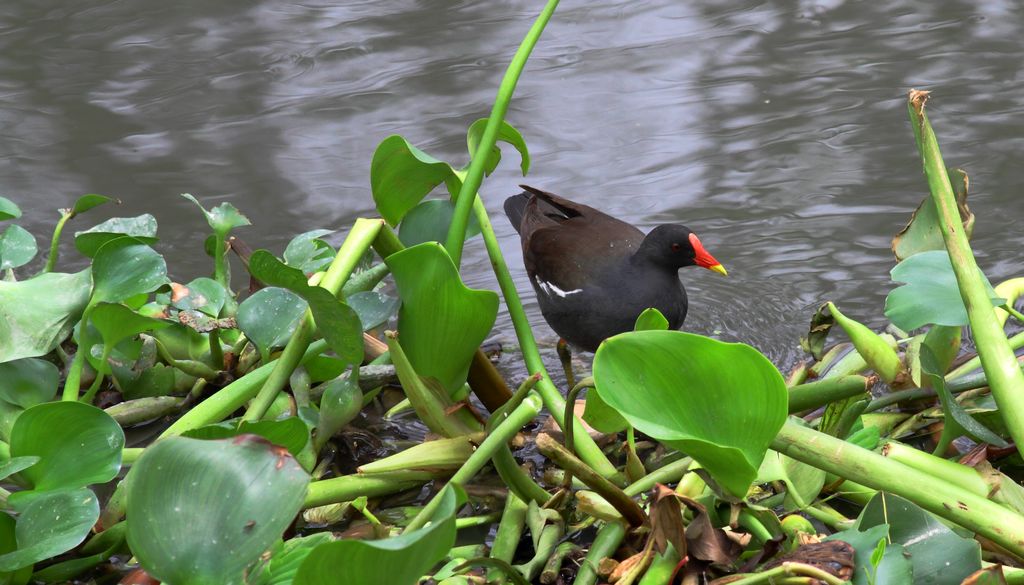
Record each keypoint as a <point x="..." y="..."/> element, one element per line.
<point x="51" y="259"/>
<point x="90" y="394"/>
<point x="1016" y="314"/>
<point x="510" y="531"/>
<point x="789" y="570"/>
<point x="216" y="351"/>
<point x="349" y="487"/>
<point x="358" y="241"/>
<point x="220" y="273"/>
<point x="499" y="436"/>
<point x="865" y="467"/>
<point x="586" y="448"/>
<point x="74" y="378"/>
<point x="605" y="542"/>
<point x="815" y="394"/>
<point x="997" y="358"/>
<point x="669" y="473"/>
<point x="475" y="174"/>
<point x="1016" y="342"/>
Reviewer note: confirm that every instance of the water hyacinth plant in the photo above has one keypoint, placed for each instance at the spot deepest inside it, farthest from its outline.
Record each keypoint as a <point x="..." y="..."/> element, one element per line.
<point x="700" y="461"/>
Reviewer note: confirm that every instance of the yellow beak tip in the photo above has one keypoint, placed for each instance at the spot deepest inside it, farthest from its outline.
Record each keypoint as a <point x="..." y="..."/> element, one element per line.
<point x="719" y="269"/>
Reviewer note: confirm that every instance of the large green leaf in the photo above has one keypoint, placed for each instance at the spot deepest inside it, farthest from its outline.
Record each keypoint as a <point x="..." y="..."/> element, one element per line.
<point x="24" y="383"/>
<point x="721" y="403"/>
<point x="77" y="445"/>
<point x="507" y="133"/>
<point x="923" y="232"/>
<point x="400" y="560"/>
<point x="269" y="317"/>
<point x="17" y="247"/>
<point x="336" y="321"/>
<point x="931" y="294"/>
<point x="200" y="512"/>
<point x="401" y="175"/>
<point x="939" y="555"/>
<point x="125" y="267"/>
<point x="429" y="221"/>
<point x="290" y="433"/>
<point x="373" y="308"/>
<point x="34" y="327"/>
<point x="222" y="218"/>
<point x="142" y="228"/>
<point x="8" y="209"/>
<point x="51" y="524"/>
<point x="441" y="322"/>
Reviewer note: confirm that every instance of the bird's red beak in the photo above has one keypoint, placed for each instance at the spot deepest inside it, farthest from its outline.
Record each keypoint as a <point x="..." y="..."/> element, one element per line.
<point x="703" y="259"/>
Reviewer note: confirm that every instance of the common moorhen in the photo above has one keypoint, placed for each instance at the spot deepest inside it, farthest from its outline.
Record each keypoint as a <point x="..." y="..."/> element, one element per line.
<point x="594" y="274"/>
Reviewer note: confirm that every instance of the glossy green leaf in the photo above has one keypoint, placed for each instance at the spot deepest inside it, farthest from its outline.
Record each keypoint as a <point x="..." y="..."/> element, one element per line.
<point x="108" y="542"/>
<point x="672" y="385"/>
<point x="205" y="295"/>
<point x="923" y="233"/>
<point x="222" y="218"/>
<point x="339" y="405"/>
<point x="269" y="317"/>
<point x="16" y="464"/>
<point x="77" y="445"/>
<point x="51" y="524"/>
<point x="336" y="321"/>
<point x="308" y="253"/>
<point x="429" y="221"/>
<point x="506" y="133"/>
<point x="124" y="268"/>
<point x="89" y="201"/>
<point x="401" y="175"/>
<point x="938" y="554"/>
<point x="285" y="559"/>
<point x="651" y="320"/>
<point x="142" y="228"/>
<point x="17" y="247"/>
<point x="803" y="482"/>
<point x="931" y="294"/>
<point x="290" y="433"/>
<point x="373" y="308"/>
<point x="894" y="569"/>
<point x="9" y="543"/>
<point x="406" y="557"/>
<point x="441" y="322"/>
<point x="25" y="383"/>
<point x="200" y="512"/>
<point x="8" y="209"/>
<point x="36" y="328"/>
<point x="116" y="322"/>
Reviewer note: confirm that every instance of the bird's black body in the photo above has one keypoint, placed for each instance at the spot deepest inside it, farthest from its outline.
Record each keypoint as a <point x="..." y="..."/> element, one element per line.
<point x="593" y="273"/>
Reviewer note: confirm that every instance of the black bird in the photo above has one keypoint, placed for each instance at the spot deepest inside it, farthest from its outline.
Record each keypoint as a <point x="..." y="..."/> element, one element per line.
<point x="594" y="274"/>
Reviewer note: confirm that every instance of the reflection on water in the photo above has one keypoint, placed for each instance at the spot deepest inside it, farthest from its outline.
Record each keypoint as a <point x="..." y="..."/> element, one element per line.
<point x="776" y="130"/>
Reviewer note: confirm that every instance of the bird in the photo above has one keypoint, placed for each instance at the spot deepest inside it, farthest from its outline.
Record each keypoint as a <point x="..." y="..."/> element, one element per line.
<point x="593" y="273"/>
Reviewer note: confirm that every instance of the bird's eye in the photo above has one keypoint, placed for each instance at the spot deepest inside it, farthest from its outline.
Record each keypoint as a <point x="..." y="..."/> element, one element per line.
<point x="676" y="247"/>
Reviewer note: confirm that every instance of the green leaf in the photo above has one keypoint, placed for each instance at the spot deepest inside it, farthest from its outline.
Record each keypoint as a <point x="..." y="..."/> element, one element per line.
<point x="51" y="524"/>
<point x="939" y="555"/>
<point x="672" y="386"/>
<point x="9" y="543"/>
<point x="200" y="512"/>
<point x="77" y="445"/>
<point x="37" y="327"/>
<point x="335" y="320"/>
<point x="651" y="320"/>
<point x="923" y="233"/>
<point x="17" y="247"/>
<point x="339" y="405"/>
<point x="957" y="422"/>
<point x="124" y="268"/>
<point x="223" y="218"/>
<point x="406" y="557"/>
<point x="285" y="559"/>
<point x="16" y="464"/>
<point x="116" y="322"/>
<point x="441" y="322"/>
<point x="26" y="383"/>
<point x="401" y="175"/>
<point x="8" y="210"/>
<point x="894" y="569"/>
<point x="507" y="133"/>
<point x="373" y="308"/>
<point x="601" y="416"/>
<point x="931" y="294"/>
<point x="269" y="317"/>
<point x="205" y="295"/>
<point x="429" y="221"/>
<point x="803" y="482"/>
<point x="142" y="228"/>
<point x="308" y="253"/>
<point x="87" y="202"/>
<point x="290" y="433"/>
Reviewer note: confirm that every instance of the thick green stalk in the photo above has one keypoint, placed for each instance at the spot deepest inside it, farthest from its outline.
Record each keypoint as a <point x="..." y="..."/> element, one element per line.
<point x="943" y="499"/>
<point x="510" y="530"/>
<point x="819" y="393"/>
<point x="499" y="436"/>
<point x="585" y="447"/>
<point x="358" y="241"/>
<point x="220" y="267"/>
<point x="997" y="359"/>
<point x="51" y="259"/>
<point x="608" y="538"/>
<point x="350" y="487"/>
<point x="669" y="473"/>
<point x="475" y="174"/>
<point x="74" y="377"/>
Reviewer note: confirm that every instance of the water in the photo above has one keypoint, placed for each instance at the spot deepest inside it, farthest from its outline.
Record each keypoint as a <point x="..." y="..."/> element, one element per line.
<point x="776" y="130"/>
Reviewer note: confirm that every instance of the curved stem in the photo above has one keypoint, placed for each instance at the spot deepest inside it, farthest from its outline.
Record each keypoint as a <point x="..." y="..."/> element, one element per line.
<point x="74" y="378"/>
<point x="51" y="258"/>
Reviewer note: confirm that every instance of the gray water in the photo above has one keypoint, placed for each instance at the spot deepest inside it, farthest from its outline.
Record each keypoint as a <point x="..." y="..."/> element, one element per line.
<point x="775" y="130"/>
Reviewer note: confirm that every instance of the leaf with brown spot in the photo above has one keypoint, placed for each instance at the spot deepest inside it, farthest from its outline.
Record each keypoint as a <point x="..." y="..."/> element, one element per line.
<point x="667" y="521"/>
<point x="821" y="323"/>
<point x="922" y="233"/>
<point x="990" y="576"/>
